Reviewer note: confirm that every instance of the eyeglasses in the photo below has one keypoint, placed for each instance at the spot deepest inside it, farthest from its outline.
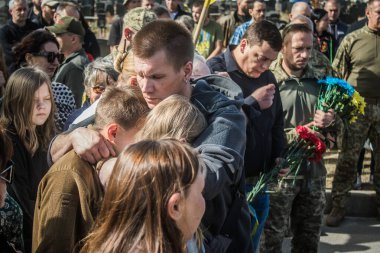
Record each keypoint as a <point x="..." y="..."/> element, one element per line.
<point x="50" y="56"/>
<point x="7" y="174"/>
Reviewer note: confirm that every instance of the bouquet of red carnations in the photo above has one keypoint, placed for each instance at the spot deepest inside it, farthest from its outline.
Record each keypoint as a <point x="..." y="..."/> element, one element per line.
<point x="305" y="146"/>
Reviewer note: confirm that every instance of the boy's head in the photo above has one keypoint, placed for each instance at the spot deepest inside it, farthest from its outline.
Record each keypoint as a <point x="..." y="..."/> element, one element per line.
<point x="119" y="115"/>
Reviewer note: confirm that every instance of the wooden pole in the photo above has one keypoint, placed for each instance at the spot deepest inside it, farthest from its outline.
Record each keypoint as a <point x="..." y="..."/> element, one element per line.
<point x="201" y="21"/>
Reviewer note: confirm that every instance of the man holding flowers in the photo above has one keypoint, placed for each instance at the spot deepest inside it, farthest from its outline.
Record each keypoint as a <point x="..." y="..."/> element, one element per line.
<point x="300" y="197"/>
<point x="357" y="61"/>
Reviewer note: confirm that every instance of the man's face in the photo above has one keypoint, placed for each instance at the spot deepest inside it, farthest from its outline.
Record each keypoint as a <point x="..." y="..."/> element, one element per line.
<point x="258" y="11"/>
<point x="48" y="13"/>
<point x="333" y="11"/>
<point x="196" y="12"/>
<point x="158" y="79"/>
<point x="65" y="42"/>
<point x="373" y="14"/>
<point x="297" y="49"/>
<point x="148" y="4"/>
<point x="172" y="5"/>
<point x="19" y="13"/>
<point x="242" y="6"/>
<point x="258" y="58"/>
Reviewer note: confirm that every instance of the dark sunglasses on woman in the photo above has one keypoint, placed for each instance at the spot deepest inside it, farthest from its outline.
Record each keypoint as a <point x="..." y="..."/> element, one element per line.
<point x="7" y="173"/>
<point x="50" y="56"/>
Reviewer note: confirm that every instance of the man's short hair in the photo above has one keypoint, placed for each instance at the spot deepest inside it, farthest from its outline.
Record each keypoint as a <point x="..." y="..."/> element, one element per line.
<point x="262" y="31"/>
<point x="370" y="2"/>
<point x="165" y="35"/>
<point x="290" y="29"/>
<point x="198" y="3"/>
<point x="252" y="4"/>
<point x="124" y="106"/>
<point x="301" y="19"/>
<point x="332" y="1"/>
<point x="63" y="5"/>
<point x="12" y="3"/>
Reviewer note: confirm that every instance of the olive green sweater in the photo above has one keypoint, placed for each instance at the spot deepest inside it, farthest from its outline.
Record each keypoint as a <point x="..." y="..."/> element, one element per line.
<point x="358" y="61"/>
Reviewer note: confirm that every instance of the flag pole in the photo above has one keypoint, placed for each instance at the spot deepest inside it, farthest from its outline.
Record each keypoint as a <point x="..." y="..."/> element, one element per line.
<point x="201" y="21"/>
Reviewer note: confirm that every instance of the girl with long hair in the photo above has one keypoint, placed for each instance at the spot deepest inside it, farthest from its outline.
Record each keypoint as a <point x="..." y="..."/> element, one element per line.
<point x="153" y="202"/>
<point x="40" y="49"/>
<point x="27" y="115"/>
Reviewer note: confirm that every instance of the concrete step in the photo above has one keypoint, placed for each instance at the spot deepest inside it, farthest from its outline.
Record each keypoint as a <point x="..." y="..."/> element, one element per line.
<point x="360" y="203"/>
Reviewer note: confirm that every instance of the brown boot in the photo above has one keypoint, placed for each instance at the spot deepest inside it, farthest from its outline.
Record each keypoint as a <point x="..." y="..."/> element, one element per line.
<point x="335" y="217"/>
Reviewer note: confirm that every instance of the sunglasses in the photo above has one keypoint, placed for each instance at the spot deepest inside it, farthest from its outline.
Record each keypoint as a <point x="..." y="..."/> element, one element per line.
<point x="50" y="56"/>
<point x="7" y="174"/>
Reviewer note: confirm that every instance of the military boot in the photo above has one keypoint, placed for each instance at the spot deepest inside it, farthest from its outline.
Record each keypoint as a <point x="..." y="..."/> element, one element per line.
<point x="335" y="217"/>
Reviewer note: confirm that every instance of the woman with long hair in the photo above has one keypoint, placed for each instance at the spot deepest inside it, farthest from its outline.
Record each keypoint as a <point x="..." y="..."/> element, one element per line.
<point x="27" y="115"/>
<point x="153" y="202"/>
<point x="41" y="49"/>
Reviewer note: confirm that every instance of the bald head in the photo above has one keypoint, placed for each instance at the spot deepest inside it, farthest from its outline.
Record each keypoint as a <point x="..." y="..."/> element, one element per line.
<point x="300" y="8"/>
<point x="301" y="19"/>
<point x="66" y="9"/>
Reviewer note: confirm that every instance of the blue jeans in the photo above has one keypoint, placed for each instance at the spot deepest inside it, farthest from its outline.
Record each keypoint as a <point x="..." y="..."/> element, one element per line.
<point x="261" y="206"/>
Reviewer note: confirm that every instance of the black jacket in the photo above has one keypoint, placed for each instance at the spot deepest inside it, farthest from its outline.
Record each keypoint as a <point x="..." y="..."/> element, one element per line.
<point x="10" y="34"/>
<point x="28" y="172"/>
<point x="265" y="129"/>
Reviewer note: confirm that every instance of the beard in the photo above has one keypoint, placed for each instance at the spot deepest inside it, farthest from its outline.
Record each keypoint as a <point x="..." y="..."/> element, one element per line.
<point x="293" y="66"/>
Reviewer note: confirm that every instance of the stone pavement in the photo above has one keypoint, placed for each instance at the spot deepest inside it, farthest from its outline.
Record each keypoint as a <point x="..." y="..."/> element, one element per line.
<point x="354" y="235"/>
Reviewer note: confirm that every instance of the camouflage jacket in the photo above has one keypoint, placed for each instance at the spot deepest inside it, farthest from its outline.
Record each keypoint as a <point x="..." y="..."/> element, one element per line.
<point x="358" y="59"/>
<point x="299" y="98"/>
<point x="229" y="24"/>
<point x="298" y="95"/>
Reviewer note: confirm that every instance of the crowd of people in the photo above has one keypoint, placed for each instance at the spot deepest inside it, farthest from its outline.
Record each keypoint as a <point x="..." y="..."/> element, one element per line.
<point x="154" y="147"/>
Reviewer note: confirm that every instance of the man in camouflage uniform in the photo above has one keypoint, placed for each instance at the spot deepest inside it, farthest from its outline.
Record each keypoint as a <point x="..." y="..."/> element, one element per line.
<point x="300" y="14"/>
<point x="233" y="20"/>
<point x="304" y="201"/>
<point x="357" y="61"/>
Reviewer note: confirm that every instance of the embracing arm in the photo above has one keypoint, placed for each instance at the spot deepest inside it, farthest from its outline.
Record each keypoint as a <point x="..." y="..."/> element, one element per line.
<point x="89" y="144"/>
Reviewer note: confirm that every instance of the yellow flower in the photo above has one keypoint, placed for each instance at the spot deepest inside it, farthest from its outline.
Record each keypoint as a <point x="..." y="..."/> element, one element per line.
<point x="359" y="102"/>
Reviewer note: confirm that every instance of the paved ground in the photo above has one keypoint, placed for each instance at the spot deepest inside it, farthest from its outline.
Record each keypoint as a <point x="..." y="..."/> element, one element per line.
<point x="354" y="235"/>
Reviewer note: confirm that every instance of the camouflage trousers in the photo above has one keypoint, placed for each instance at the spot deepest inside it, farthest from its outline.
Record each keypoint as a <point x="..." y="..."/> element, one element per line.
<point x="353" y="139"/>
<point x="302" y="208"/>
